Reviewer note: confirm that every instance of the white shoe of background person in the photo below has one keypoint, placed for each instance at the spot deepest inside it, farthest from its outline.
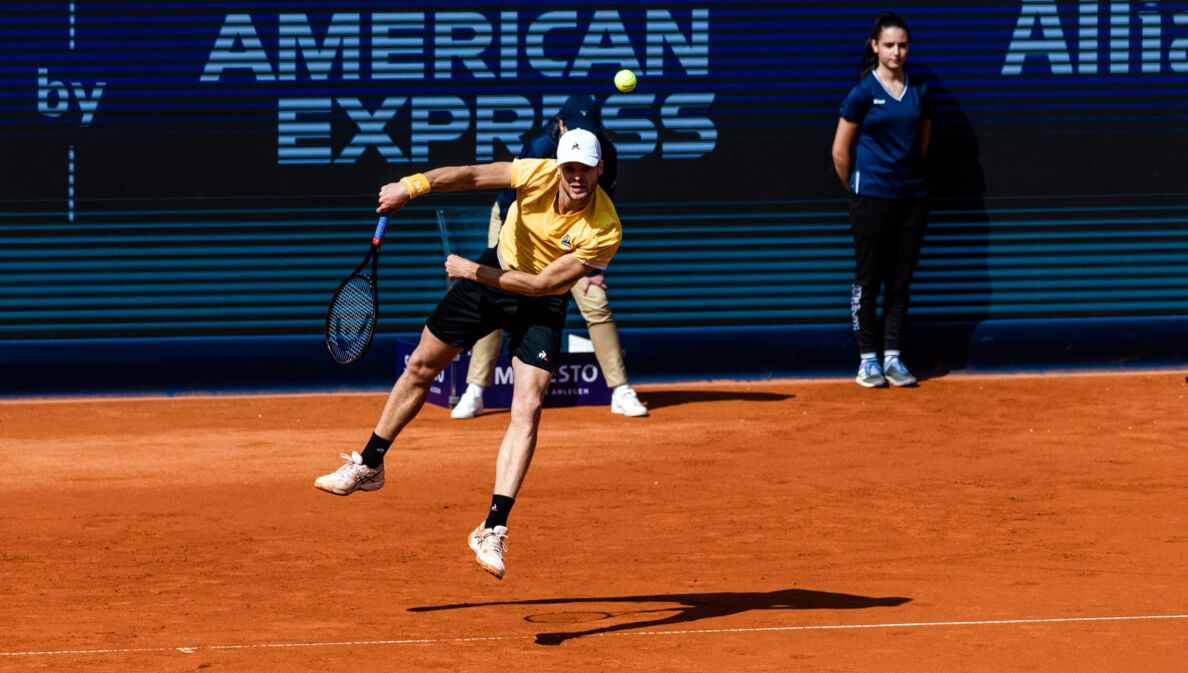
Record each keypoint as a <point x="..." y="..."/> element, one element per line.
<point x="470" y="405"/>
<point x="870" y="374"/>
<point x="352" y="476"/>
<point x="624" y="401"/>
<point x="897" y="373"/>
<point x="488" y="545"/>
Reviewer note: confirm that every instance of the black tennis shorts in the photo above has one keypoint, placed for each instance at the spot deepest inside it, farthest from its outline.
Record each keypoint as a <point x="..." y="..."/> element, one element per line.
<point x="471" y="311"/>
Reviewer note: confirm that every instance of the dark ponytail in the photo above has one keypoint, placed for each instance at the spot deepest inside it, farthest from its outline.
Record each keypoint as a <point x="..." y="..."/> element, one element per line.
<point x="870" y="60"/>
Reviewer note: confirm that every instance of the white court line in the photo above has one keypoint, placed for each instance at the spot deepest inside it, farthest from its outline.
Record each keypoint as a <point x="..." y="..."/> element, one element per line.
<point x="620" y="634"/>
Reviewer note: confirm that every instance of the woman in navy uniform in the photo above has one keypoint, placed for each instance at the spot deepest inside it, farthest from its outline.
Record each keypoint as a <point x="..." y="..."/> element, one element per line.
<point x="878" y="152"/>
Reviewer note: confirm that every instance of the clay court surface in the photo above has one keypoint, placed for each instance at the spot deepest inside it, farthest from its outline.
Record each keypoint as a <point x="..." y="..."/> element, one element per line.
<point x="970" y="524"/>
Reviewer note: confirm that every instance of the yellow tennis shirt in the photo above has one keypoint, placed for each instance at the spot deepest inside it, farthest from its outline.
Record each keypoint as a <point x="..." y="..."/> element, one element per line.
<point x="535" y="235"/>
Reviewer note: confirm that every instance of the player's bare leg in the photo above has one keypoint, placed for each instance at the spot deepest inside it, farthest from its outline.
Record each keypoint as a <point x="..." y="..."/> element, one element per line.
<point x="412" y="388"/>
<point x="359" y="472"/>
<point x="515" y="454"/>
<point x="519" y="442"/>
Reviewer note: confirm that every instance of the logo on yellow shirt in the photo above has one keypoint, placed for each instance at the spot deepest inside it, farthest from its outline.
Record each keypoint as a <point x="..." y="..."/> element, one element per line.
<point x="566" y="242"/>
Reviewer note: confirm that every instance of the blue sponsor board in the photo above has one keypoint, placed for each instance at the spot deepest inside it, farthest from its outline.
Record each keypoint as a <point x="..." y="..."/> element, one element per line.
<point x="578" y="381"/>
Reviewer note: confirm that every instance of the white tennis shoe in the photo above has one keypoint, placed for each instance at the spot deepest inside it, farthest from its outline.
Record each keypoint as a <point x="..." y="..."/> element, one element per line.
<point x="870" y="375"/>
<point x="624" y="401"/>
<point x="352" y="476"/>
<point x="488" y="545"/>
<point x="470" y="405"/>
<point x="897" y="373"/>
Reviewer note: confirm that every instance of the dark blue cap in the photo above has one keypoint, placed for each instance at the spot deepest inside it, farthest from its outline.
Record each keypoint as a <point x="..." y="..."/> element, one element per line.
<point x="580" y="112"/>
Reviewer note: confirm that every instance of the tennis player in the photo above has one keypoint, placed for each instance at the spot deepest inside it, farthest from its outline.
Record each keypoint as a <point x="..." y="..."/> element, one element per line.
<point x="563" y="226"/>
<point x="580" y="111"/>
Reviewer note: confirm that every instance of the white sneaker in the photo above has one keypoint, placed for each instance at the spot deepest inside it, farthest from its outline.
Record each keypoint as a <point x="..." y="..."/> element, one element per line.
<point x="470" y="405"/>
<point x="352" y="476"/>
<point x="870" y="375"/>
<point x="488" y="545"/>
<point x="624" y="401"/>
<point x="897" y="373"/>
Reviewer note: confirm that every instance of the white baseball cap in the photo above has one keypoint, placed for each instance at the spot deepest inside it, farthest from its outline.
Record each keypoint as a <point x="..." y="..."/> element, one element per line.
<point x="579" y="145"/>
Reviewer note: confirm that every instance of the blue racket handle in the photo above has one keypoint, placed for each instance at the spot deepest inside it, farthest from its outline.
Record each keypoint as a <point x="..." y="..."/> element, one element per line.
<point x="379" y="230"/>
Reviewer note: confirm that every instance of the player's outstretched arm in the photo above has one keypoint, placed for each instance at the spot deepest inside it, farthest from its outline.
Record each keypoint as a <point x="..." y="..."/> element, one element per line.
<point x="395" y="195"/>
<point x="556" y="278"/>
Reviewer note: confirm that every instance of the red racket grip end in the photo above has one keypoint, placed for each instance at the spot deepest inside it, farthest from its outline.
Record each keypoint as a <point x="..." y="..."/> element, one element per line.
<point x="379" y="230"/>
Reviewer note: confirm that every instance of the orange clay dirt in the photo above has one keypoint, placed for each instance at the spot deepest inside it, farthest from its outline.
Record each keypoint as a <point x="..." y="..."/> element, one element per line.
<point x="970" y="524"/>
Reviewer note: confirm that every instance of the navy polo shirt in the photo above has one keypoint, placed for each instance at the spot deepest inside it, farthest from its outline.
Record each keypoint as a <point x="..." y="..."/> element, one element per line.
<point x="887" y="161"/>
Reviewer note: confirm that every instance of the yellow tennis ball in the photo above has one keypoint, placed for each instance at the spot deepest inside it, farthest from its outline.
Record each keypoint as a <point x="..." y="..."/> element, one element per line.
<point x="625" y="80"/>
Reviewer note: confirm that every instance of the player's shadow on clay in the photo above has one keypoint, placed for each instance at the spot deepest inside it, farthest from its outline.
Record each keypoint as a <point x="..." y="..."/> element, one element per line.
<point x="672" y="398"/>
<point x="687" y="608"/>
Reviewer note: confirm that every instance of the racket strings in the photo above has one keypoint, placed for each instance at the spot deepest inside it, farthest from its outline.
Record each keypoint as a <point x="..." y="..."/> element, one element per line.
<point x="351" y="319"/>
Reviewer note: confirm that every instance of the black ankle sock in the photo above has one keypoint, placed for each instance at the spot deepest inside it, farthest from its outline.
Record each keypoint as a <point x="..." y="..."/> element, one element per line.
<point x="500" y="507"/>
<point x="373" y="455"/>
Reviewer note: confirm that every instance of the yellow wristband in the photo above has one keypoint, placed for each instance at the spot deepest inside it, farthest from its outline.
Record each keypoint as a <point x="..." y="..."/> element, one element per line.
<point x="416" y="185"/>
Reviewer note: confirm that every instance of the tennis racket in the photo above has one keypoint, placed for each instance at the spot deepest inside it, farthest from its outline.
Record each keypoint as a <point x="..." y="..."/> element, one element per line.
<point x="350" y="321"/>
